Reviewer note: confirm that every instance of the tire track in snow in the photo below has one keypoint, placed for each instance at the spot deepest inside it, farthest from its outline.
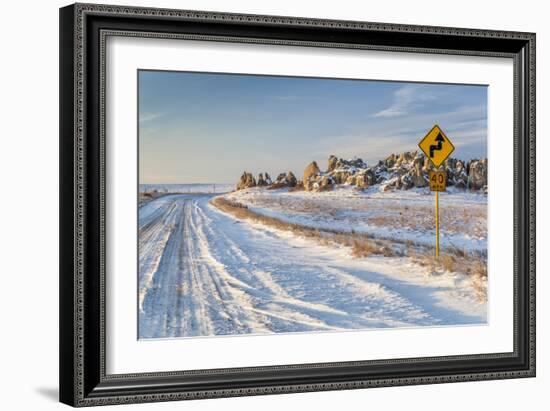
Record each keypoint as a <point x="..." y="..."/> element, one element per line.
<point x="215" y="275"/>
<point x="158" y="316"/>
<point x="153" y="236"/>
<point x="222" y="303"/>
<point x="260" y="283"/>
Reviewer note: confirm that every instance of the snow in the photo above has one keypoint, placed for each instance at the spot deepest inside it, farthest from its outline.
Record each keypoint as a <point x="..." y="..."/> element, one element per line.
<point x="203" y="272"/>
<point x="403" y="215"/>
<point x="188" y="188"/>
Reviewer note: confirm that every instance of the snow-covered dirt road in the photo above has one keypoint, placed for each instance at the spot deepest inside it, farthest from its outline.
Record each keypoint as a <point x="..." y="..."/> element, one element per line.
<point x="203" y="272"/>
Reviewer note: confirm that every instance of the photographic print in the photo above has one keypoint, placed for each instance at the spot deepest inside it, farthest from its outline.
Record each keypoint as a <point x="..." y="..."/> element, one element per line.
<point x="277" y="204"/>
<point x="337" y="204"/>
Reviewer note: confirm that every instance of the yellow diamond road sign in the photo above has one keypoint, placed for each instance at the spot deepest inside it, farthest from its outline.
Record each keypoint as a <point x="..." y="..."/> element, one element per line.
<point x="436" y="146"/>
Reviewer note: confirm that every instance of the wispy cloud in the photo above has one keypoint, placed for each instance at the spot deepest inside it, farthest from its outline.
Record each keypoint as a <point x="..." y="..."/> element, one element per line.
<point x="466" y="126"/>
<point x="145" y="117"/>
<point x="407" y="99"/>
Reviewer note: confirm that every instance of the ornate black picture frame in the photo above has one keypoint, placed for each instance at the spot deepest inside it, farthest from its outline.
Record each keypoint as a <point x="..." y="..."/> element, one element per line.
<point x="83" y="30"/>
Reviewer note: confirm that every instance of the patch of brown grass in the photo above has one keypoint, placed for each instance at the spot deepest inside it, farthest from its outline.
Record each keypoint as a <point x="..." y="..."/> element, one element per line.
<point x="460" y="252"/>
<point x="275" y="186"/>
<point x="387" y="251"/>
<point x="424" y="260"/>
<point x="473" y="264"/>
<point x="241" y="211"/>
<point x="230" y="204"/>
<point x="145" y="197"/>
<point x="361" y="245"/>
<point x="448" y="262"/>
<point x="478" y="274"/>
<point x="478" y="268"/>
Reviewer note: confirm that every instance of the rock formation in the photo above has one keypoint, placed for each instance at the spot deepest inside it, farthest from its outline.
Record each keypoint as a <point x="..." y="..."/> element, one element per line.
<point x="477" y="174"/>
<point x="315" y="180"/>
<point x="247" y="180"/>
<point x="398" y="171"/>
<point x="404" y="171"/>
<point x="284" y="180"/>
<point x="291" y="179"/>
<point x="311" y="174"/>
<point x="261" y="180"/>
<point x="332" y="160"/>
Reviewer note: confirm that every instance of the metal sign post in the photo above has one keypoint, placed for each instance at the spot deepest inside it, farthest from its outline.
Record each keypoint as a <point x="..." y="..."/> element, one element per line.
<point x="437" y="224"/>
<point x="438" y="182"/>
<point x="437" y="147"/>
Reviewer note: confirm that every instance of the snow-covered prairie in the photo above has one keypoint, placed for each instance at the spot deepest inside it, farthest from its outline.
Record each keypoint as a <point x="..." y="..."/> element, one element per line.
<point x="400" y="215"/>
<point x="198" y="188"/>
<point x="203" y="272"/>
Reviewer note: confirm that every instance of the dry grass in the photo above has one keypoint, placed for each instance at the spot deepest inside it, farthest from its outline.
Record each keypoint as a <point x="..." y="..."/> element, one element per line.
<point x="221" y="201"/>
<point x="363" y="247"/>
<point x="469" y="218"/>
<point x="478" y="273"/>
<point x="448" y="262"/>
<point x="145" y="197"/>
<point x="241" y="211"/>
<point x="360" y="244"/>
<point x="452" y="260"/>
<point x="473" y="265"/>
<point x="478" y="268"/>
<point x="453" y="218"/>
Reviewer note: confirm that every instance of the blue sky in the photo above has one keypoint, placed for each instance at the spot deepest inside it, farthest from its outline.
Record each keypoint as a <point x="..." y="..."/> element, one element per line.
<point x="209" y="128"/>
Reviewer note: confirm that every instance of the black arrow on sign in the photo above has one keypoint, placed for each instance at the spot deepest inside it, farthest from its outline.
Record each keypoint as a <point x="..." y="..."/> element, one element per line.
<point x="440" y="140"/>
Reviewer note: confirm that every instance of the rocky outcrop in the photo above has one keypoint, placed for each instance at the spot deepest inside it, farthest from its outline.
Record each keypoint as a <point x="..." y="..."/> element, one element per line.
<point x="311" y="170"/>
<point x="280" y="178"/>
<point x="364" y="178"/>
<point x="247" y="180"/>
<point x="417" y="174"/>
<point x="264" y="180"/>
<point x="261" y="180"/>
<point x="397" y="172"/>
<point x="291" y="179"/>
<point x="406" y="157"/>
<point x="405" y="171"/>
<point x="340" y="176"/>
<point x="456" y="173"/>
<point x="320" y="183"/>
<point x="477" y="174"/>
<point x="332" y="160"/>
<point x="315" y="180"/>
<point x="324" y="183"/>
<point x="390" y="160"/>
<point x="342" y="169"/>
<point x="284" y="180"/>
<point x="311" y="175"/>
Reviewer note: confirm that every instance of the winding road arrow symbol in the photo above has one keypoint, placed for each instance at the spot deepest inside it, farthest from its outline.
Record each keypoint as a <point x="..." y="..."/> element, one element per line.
<point x="440" y="140"/>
